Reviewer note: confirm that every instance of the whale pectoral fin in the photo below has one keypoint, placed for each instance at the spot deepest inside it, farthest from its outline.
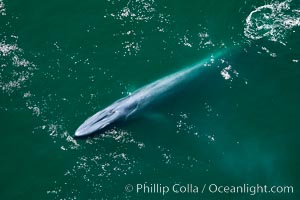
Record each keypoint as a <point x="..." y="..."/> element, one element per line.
<point x="133" y="109"/>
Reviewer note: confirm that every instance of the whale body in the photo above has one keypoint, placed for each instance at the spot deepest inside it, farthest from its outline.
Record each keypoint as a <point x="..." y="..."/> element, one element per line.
<point x="126" y="107"/>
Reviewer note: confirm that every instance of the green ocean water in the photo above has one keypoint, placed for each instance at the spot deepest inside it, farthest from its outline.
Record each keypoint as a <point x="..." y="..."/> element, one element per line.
<point x="238" y="123"/>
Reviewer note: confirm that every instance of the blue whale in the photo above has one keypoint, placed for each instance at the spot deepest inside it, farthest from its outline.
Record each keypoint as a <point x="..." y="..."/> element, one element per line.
<point x="126" y="107"/>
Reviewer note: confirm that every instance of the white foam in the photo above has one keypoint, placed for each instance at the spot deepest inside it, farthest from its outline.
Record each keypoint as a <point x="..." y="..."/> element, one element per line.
<point x="132" y="13"/>
<point x="6" y="49"/>
<point x="16" y="70"/>
<point x="272" y="21"/>
<point x="2" y="8"/>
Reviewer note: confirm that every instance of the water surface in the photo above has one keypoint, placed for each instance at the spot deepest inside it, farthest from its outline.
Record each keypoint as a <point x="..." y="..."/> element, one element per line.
<point x="62" y="61"/>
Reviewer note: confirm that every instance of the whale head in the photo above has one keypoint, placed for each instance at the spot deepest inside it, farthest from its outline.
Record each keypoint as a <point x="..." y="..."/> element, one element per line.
<point x="99" y="121"/>
<point x="118" y="111"/>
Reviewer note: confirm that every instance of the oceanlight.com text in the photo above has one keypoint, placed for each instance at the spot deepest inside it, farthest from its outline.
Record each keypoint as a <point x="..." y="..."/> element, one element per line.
<point x="176" y="188"/>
